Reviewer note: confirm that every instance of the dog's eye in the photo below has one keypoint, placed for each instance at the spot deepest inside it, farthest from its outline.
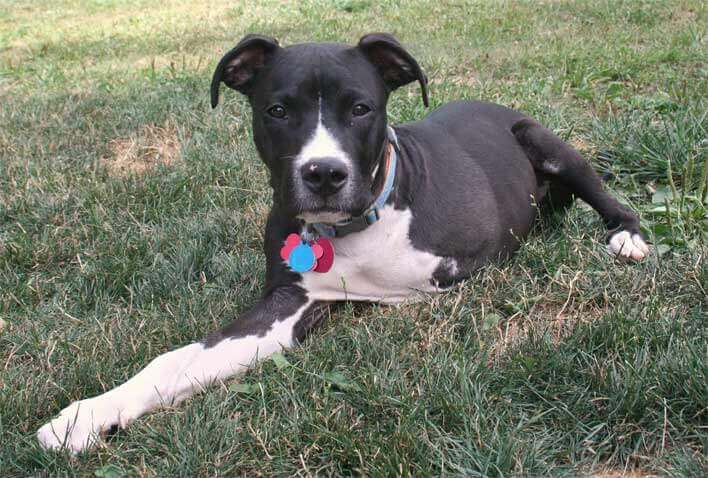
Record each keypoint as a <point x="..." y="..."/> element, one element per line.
<point x="360" y="110"/>
<point x="277" y="111"/>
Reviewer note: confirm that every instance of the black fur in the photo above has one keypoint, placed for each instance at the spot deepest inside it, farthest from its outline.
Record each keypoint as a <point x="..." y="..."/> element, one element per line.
<point x="471" y="173"/>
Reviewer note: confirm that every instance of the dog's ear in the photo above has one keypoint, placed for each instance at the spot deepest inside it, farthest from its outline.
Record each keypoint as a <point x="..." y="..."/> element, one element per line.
<point x="395" y="64"/>
<point x="239" y="66"/>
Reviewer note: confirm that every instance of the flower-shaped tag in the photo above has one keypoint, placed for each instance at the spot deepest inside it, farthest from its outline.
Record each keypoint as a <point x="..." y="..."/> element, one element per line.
<point x="302" y="256"/>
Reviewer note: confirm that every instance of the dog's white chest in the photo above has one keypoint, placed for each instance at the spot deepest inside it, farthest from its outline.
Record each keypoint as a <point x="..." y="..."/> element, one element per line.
<point x="376" y="264"/>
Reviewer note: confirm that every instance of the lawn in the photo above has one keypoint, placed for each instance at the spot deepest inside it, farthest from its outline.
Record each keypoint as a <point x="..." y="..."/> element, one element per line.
<point x="131" y="220"/>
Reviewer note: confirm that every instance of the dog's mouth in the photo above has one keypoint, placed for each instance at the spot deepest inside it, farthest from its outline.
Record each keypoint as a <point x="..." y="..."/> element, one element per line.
<point x="330" y="210"/>
<point x="324" y="216"/>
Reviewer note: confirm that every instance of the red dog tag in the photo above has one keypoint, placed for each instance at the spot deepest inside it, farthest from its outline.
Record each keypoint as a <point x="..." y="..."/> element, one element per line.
<point x="325" y="261"/>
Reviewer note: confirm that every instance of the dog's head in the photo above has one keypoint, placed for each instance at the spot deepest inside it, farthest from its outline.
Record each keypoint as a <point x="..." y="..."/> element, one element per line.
<point x="319" y="116"/>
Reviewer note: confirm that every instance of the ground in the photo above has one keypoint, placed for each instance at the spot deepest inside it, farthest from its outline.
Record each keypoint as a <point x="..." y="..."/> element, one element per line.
<point x="131" y="219"/>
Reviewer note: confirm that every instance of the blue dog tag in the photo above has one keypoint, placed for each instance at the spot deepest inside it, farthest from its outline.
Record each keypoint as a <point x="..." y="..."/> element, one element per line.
<point x="302" y="258"/>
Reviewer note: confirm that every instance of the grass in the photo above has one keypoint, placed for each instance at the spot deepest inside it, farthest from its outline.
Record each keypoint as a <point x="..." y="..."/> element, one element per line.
<point x="131" y="219"/>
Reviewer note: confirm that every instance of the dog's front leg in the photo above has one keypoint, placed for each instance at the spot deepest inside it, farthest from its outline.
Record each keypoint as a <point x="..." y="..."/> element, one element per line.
<point x="282" y="317"/>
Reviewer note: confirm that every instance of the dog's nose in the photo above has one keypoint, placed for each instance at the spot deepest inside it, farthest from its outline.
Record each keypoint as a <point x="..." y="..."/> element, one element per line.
<point x="324" y="175"/>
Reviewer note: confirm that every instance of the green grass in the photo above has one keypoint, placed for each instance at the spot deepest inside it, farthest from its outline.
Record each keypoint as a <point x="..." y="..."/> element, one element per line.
<point x="131" y="219"/>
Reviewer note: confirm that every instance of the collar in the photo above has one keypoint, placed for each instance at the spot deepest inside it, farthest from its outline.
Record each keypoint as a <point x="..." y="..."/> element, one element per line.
<point x="371" y="215"/>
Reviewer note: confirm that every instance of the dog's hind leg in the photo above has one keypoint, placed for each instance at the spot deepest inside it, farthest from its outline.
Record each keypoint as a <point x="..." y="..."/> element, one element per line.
<point x="283" y="316"/>
<point x="558" y="161"/>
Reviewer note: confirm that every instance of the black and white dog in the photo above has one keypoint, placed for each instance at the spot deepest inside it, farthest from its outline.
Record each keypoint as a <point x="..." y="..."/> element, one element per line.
<point x="361" y="211"/>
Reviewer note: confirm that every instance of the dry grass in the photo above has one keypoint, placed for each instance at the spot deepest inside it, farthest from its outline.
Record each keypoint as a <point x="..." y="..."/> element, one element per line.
<point x="552" y="321"/>
<point x="142" y="151"/>
<point x="617" y="473"/>
<point x="584" y="146"/>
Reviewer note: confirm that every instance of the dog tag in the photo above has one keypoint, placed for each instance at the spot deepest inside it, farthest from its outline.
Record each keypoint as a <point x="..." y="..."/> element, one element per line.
<point x="325" y="261"/>
<point x="302" y="259"/>
<point x="291" y="242"/>
<point x="302" y="256"/>
<point x="317" y="250"/>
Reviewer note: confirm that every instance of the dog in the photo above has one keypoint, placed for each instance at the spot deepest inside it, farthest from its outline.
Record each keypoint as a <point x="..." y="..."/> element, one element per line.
<point x="361" y="210"/>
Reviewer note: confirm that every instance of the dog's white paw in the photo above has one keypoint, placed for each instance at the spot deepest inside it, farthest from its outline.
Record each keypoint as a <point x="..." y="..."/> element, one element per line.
<point x="78" y="426"/>
<point x="625" y="245"/>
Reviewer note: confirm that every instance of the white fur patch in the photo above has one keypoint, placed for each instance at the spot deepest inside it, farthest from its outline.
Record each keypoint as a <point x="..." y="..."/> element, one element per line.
<point x="167" y="380"/>
<point x="625" y="245"/>
<point x="376" y="264"/>
<point x="322" y="144"/>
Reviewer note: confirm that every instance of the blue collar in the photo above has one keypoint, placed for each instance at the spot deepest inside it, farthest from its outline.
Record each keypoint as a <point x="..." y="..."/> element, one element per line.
<point x="371" y="215"/>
